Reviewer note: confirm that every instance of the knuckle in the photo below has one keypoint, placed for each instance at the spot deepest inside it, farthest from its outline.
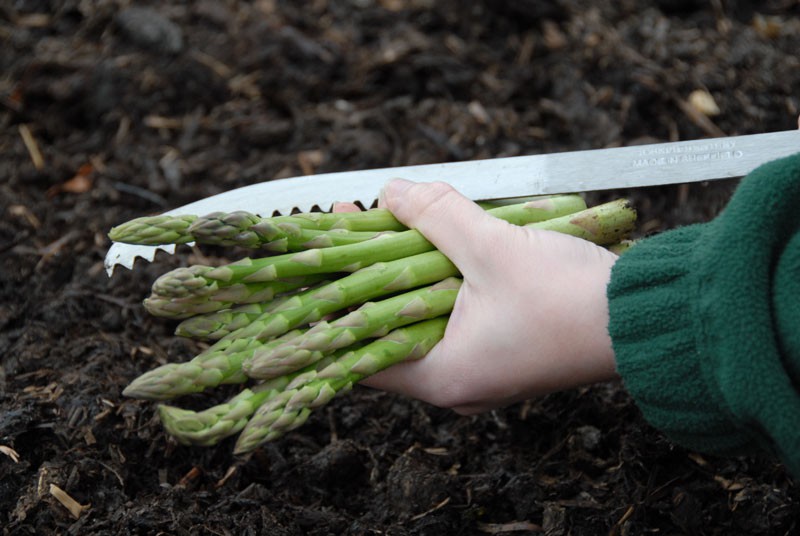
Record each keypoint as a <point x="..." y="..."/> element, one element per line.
<point x="433" y="199"/>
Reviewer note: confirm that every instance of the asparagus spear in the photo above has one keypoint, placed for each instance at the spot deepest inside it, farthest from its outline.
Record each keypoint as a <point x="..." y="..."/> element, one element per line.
<point x="298" y="238"/>
<point x="167" y="301"/>
<point x="212" y="425"/>
<point x="221" y="363"/>
<point x="243" y="228"/>
<point x="216" y="325"/>
<point x="604" y="224"/>
<point x="373" y="319"/>
<point x="154" y="230"/>
<point x="290" y="408"/>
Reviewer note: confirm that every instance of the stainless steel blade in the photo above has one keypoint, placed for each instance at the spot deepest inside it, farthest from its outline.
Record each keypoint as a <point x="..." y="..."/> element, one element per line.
<point x="578" y="171"/>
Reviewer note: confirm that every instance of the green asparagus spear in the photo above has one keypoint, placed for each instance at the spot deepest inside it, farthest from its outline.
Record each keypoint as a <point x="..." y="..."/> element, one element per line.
<point x="221" y="363"/>
<point x="298" y="238"/>
<point x="212" y="425"/>
<point x="290" y="408"/>
<point x="154" y="230"/>
<point x="603" y="224"/>
<point x="210" y="298"/>
<point x="244" y="229"/>
<point x="216" y="325"/>
<point x="373" y="319"/>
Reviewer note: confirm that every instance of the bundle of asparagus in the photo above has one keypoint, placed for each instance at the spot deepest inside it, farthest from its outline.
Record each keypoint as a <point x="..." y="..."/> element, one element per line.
<point x="332" y="299"/>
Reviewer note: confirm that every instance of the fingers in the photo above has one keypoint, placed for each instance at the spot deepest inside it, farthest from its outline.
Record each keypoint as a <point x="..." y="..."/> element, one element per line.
<point x="459" y="228"/>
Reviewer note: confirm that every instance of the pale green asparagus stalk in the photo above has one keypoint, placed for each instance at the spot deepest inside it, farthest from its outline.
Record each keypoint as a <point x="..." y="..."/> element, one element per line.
<point x="298" y="238"/>
<point x="215" y="326"/>
<point x="371" y="320"/>
<point x="383" y="248"/>
<point x="154" y="230"/>
<point x="604" y="224"/>
<point x="243" y="228"/>
<point x="212" y="425"/>
<point x="168" y="302"/>
<point x="290" y="408"/>
<point x="221" y="363"/>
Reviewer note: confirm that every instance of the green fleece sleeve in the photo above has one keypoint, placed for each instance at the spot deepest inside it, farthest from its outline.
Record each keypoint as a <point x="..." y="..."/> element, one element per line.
<point x="705" y="323"/>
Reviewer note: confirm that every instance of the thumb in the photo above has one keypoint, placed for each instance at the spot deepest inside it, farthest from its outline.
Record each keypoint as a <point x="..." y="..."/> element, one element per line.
<point x="458" y="227"/>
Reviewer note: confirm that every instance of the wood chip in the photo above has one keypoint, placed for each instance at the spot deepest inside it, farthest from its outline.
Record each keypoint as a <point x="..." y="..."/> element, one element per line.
<point x="32" y="147"/>
<point x="23" y="212"/>
<point x="193" y="473"/>
<point x="228" y="474"/>
<point x="11" y="453"/>
<point x="702" y="101"/>
<point x="513" y="526"/>
<point x="427" y="512"/>
<point x="310" y="160"/>
<point x="80" y="183"/>
<point x="74" y="507"/>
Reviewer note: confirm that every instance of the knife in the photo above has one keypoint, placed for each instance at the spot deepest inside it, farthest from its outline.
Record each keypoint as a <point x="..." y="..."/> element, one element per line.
<point x="499" y="178"/>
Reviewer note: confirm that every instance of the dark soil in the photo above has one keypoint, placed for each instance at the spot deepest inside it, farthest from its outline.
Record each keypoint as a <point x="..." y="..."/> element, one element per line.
<point x="137" y="111"/>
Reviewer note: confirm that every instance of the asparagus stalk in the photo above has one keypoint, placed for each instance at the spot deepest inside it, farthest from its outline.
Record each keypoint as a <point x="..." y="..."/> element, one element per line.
<point x="170" y="302"/>
<point x="212" y="425"/>
<point x="222" y="363"/>
<point x="300" y="239"/>
<point x="243" y="228"/>
<point x="216" y="325"/>
<point x="373" y="319"/>
<point x="290" y="408"/>
<point x="154" y="230"/>
<point x="604" y="224"/>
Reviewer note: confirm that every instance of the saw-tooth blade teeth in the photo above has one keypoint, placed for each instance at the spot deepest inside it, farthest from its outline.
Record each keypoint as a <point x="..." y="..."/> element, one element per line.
<point x="126" y="254"/>
<point x="367" y="202"/>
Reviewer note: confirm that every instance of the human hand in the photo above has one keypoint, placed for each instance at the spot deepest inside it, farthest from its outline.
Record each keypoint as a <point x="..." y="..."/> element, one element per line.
<point x="531" y="316"/>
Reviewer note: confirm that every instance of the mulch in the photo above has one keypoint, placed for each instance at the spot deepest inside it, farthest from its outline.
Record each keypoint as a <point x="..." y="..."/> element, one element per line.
<point x="109" y="112"/>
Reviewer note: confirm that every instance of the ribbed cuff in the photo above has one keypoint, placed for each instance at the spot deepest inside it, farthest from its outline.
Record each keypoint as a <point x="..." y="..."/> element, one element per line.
<point x="653" y="326"/>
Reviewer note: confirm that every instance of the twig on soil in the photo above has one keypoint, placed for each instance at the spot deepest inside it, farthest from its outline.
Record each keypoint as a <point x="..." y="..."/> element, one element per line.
<point x="32" y="147"/>
<point x="513" y="526"/>
<point x="141" y="192"/>
<point x="11" y="453"/>
<point x="427" y="512"/>
<point x="74" y="507"/>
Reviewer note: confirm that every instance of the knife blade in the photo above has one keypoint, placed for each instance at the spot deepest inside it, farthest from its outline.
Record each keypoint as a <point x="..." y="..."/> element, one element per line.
<point x="499" y="178"/>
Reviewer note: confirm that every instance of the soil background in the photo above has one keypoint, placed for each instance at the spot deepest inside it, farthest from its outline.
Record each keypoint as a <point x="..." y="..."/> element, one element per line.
<point x="111" y="110"/>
